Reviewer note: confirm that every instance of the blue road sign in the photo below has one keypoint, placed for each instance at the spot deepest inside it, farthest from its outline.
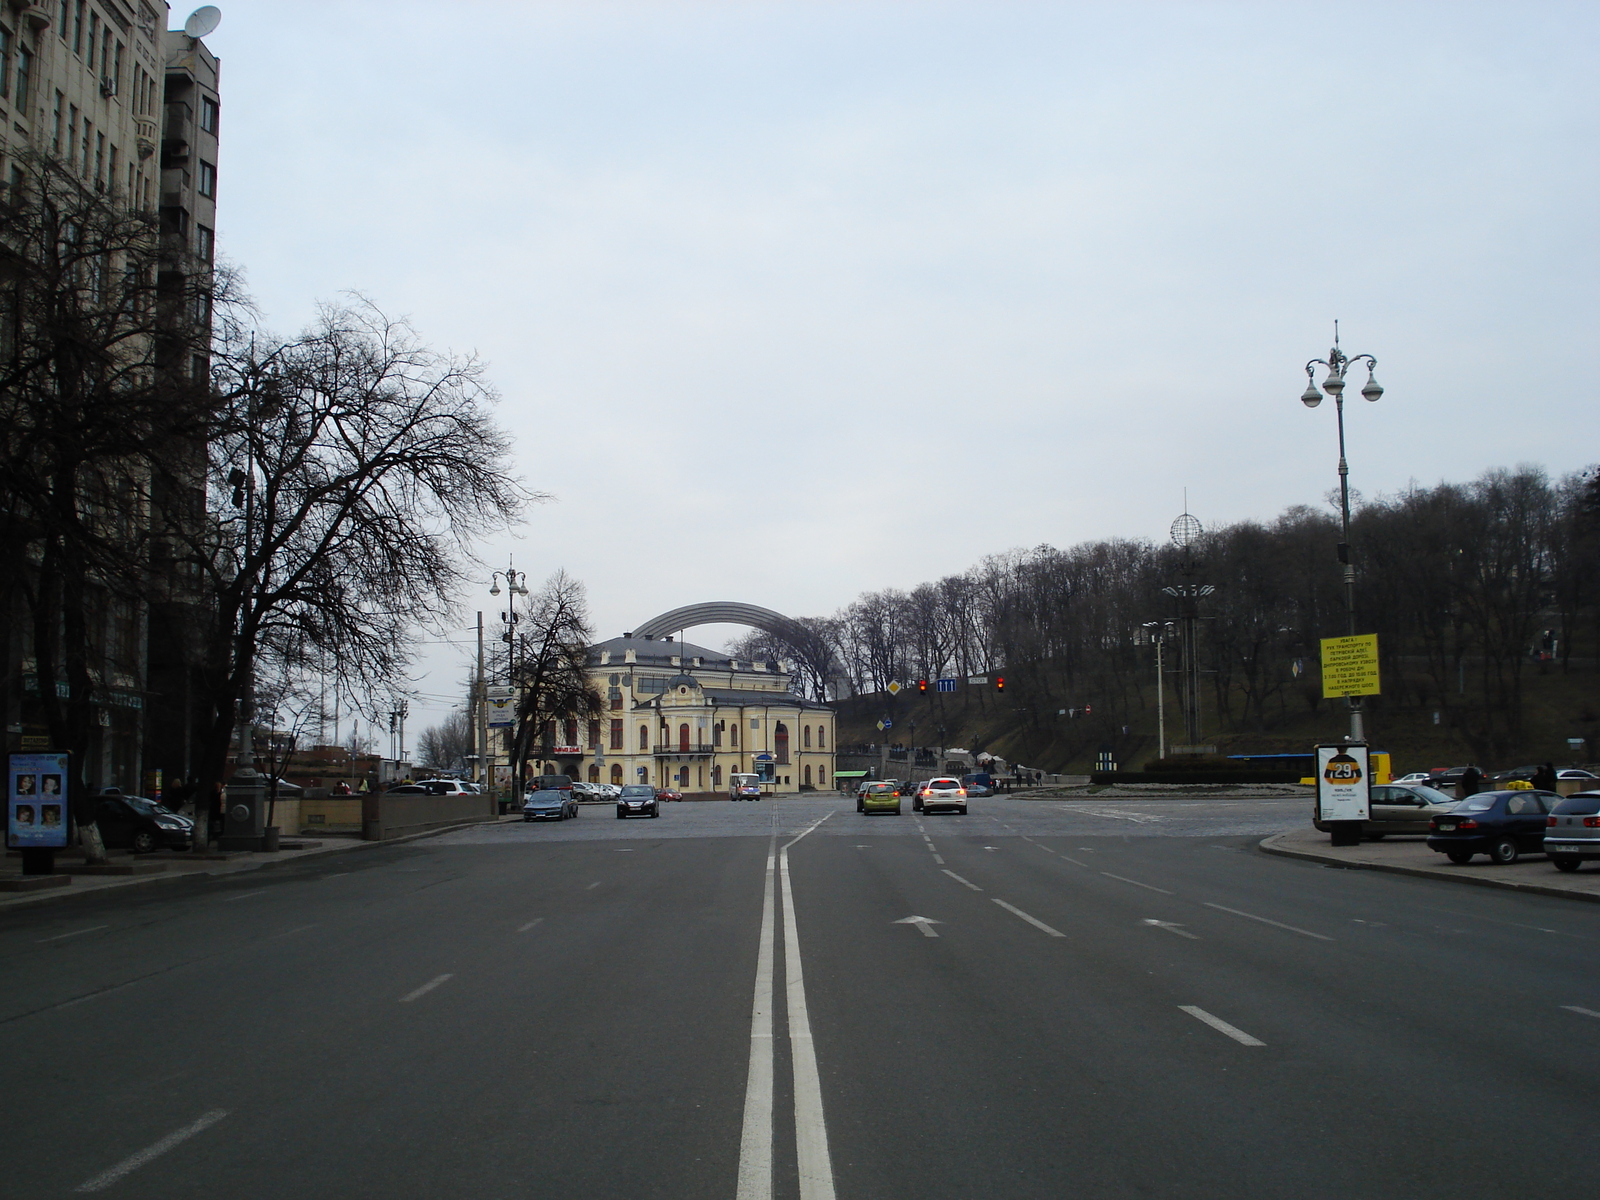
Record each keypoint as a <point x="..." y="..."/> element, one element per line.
<point x="888" y="722"/>
<point x="947" y="685"/>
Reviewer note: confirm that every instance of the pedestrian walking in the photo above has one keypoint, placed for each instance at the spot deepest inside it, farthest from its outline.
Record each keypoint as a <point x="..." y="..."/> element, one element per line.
<point x="1545" y="778"/>
<point x="1471" y="781"/>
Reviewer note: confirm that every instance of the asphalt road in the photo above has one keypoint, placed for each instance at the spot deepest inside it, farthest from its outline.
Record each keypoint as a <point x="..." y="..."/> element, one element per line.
<point x="1115" y="999"/>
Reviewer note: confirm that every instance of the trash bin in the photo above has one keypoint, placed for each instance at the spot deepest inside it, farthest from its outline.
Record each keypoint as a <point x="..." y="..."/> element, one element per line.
<point x="269" y="839"/>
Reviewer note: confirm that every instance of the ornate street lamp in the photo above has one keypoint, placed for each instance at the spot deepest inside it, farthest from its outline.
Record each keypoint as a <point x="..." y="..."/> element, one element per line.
<point x="1337" y="365"/>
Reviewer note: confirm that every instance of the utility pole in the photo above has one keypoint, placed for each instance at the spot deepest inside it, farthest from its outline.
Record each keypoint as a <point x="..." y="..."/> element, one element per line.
<point x="480" y="723"/>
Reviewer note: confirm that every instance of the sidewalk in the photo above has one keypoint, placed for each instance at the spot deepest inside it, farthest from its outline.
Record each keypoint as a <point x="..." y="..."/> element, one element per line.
<point x="127" y="870"/>
<point x="1411" y="856"/>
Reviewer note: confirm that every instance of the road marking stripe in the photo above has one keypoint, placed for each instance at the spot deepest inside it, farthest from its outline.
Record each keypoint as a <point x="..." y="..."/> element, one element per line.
<point x="1265" y="921"/>
<point x="1221" y="1026"/>
<point x="592" y="886"/>
<point x="784" y="849"/>
<point x="810" y="1128"/>
<point x="529" y="925"/>
<point x="335" y="875"/>
<point x="106" y="1178"/>
<point x="295" y="930"/>
<point x="1587" y="1012"/>
<point x="75" y="933"/>
<point x="1171" y="928"/>
<point x="424" y="989"/>
<point x="755" y="1143"/>
<point x="1034" y="921"/>
<point x="1135" y="882"/>
<point x="960" y="880"/>
<point x="247" y="895"/>
<point x="939" y="858"/>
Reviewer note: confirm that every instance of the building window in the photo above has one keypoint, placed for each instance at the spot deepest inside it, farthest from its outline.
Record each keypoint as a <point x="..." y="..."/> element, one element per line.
<point x="55" y="126"/>
<point x="209" y="114"/>
<point x="616" y="772"/>
<point x="822" y="737"/>
<point x="716" y="777"/>
<point x="615" y="696"/>
<point x="594" y="773"/>
<point x="807" y="740"/>
<point x="85" y="163"/>
<point x="808" y="775"/>
<point x="780" y="742"/>
<point x="94" y="35"/>
<point x="111" y="170"/>
<point x="77" y="28"/>
<point x="644" y="739"/>
<point x="66" y="16"/>
<point x="5" y="62"/>
<point x="100" y="162"/>
<point x="72" y="133"/>
<point x="208" y="180"/>
<point x="733" y="735"/>
<point x="24" y="74"/>
<point x="822" y="776"/>
<point x="716" y="734"/>
<point x="116" y="73"/>
<point x="616" y="733"/>
<point x="105" y="52"/>
<point x="683" y="739"/>
<point x="594" y="733"/>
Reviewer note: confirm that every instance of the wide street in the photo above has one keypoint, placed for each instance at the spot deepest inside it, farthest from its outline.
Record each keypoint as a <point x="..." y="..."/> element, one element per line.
<point x="1101" y="999"/>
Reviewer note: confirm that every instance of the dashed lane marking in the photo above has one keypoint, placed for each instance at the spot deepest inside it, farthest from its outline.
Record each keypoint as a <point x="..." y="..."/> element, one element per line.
<point x="1221" y="1026"/>
<point x="529" y="925"/>
<point x="1034" y="921"/>
<point x="75" y="933"/>
<point x="963" y="882"/>
<point x="1586" y="1012"/>
<point x="1321" y="937"/>
<point x="128" y="1165"/>
<point x="1135" y="882"/>
<point x="425" y="988"/>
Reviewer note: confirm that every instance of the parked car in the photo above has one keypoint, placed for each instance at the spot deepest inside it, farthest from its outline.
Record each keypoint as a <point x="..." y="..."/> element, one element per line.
<point x="1398" y="808"/>
<point x="668" y="794"/>
<point x="638" y="800"/>
<point x="1503" y="825"/>
<point x="879" y="797"/>
<point x="979" y="784"/>
<point x="608" y="791"/>
<point x="1576" y="773"/>
<point x="139" y="824"/>
<point x="1446" y="778"/>
<point x="1572" y="831"/>
<point x="1414" y="777"/>
<point x="942" y="793"/>
<point x="447" y="787"/>
<point x="549" y="804"/>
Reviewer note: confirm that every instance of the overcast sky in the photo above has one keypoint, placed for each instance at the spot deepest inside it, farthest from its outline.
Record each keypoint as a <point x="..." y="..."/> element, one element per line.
<point x="788" y="301"/>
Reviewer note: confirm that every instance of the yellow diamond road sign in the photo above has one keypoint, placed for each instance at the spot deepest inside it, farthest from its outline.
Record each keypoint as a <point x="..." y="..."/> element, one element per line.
<point x="894" y="689"/>
<point x="1350" y="666"/>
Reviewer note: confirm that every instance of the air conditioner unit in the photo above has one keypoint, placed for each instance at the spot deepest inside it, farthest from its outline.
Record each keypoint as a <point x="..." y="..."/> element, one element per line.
<point x="108" y="86"/>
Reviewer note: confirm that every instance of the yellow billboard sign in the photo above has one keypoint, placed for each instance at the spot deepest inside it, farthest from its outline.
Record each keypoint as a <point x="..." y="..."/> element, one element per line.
<point x="1350" y="666"/>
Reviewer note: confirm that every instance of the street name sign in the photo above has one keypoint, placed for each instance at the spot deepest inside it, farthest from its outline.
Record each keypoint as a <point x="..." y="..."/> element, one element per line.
<point x="1344" y="782"/>
<point x="1350" y="666"/>
<point x="502" y="711"/>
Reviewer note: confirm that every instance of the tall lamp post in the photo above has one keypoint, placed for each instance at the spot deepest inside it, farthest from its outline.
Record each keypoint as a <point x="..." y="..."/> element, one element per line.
<point x="1337" y="364"/>
<point x="516" y="585"/>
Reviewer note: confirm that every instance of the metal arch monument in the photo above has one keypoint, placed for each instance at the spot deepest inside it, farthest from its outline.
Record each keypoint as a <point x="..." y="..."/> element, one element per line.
<point x="720" y="612"/>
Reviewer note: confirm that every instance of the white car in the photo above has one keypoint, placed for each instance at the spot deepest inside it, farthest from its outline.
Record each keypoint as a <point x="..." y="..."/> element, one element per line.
<point x="943" y="792"/>
<point x="588" y="791"/>
<point x="448" y="787"/>
<point x="1413" y="778"/>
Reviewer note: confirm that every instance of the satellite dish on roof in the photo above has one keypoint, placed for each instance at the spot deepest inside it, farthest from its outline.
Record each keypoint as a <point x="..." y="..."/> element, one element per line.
<point x="203" y="20"/>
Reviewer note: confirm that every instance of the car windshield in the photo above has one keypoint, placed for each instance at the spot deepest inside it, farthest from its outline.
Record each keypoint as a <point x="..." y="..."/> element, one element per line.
<point x="545" y="797"/>
<point x="1582" y="805"/>
<point x="148" y="807"/>
<point x="1430" y="795"/>
<point x="1481" y="803"/>
<point x="638" y="790"/>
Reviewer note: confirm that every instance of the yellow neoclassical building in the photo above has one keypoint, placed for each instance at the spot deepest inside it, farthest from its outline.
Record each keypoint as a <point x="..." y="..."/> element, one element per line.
<point x="679" y="715"/>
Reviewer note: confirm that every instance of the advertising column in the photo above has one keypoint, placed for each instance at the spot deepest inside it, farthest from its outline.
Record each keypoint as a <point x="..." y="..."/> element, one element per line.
<point x="1344" y="790"/>
<point x="36" y="808"/>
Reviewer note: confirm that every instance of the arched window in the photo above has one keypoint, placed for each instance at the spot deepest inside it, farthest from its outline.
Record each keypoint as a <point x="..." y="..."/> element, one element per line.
<point x="780" y="742"/>
<point x="808" y="741"/>
<point x="822" y="737"/>
<point x="808" y="773"/>
<point x="716" y="777"/>
<point x="644" y="739"/>
<point x="594" y="773"/>
<point x="616" y="773"/>
<point x="822" y="776"/>
<point x="683" y="738"/>
<point x="733" y="735"/>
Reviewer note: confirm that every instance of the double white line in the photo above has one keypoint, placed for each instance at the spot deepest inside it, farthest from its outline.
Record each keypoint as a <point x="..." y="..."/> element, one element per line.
<point x="810" y="1130"/>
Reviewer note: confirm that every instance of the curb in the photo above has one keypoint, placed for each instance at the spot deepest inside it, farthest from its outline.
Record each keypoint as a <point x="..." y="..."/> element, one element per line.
<point x="1266" y="846"/>
<point x="66" y="893"/>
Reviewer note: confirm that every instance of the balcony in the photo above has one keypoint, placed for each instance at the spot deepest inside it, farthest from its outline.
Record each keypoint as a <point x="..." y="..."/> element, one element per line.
<point x="692" y="749"/>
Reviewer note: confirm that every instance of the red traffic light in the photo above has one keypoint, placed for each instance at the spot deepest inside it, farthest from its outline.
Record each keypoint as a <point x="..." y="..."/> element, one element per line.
<point x="922" y="685"/>
<point x="999" y="683"/>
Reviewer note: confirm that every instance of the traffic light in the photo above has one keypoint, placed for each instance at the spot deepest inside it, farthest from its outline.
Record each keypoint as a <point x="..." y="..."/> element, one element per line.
<point x="999" y="683"/>
<point x="922" y="685"/>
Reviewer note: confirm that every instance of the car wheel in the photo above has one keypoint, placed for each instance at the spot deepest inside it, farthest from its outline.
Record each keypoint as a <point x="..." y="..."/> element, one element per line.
<point x="143" y="842"/>
<point x="619" y="816"/>
<point x="1459" y="857"/>
<point x="897" y="810"/>
<point x="1567" y="864"/>
<point x="655" y="812"/>
<point x="1504" y="852"/>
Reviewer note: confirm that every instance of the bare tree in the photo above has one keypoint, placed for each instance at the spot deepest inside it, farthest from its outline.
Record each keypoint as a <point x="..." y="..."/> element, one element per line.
<point x="549" y="668"/>
<point x="447" y="744"/>
<point x="350" y="467"/>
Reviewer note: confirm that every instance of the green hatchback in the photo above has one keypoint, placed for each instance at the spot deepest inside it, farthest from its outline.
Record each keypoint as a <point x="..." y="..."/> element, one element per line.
<point x="879" y="797"/>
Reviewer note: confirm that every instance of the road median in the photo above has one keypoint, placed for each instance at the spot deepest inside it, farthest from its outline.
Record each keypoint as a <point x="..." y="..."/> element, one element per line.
<point x="1411" y="856"/>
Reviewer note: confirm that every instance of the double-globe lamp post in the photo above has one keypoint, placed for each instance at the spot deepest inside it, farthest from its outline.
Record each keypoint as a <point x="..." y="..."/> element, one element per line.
<point x="516" y="585"/>
<point x="1337" y="364"/>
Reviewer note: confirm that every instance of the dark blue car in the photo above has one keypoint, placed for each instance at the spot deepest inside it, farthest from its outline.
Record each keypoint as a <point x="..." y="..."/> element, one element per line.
<point x="1502" y="825"/>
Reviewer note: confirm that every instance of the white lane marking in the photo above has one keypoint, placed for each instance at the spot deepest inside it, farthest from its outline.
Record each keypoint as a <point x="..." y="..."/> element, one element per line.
<point x="1322" y="937"/>
<point x="246" y="895"/>
<point x="75" y="933"/>
<point x="965" y="882"/>
<point x="529" y="925"/>
<point x="592" y="886"/>
<point x="1171" y="928"/>
<point x="939" y="858"/>
<point x="931" y="847"/>
<point x="335" y="875"/>
<point x="623" y="850"/>
<point x="1034" y="921"/>
<point x="295" y="930"/>
<point x="1135" y="882"/>
<point x="784" y="849"/>
<point x="991" y="847"/>
<point x="1139" y="818"/>
<point x="424" y="989"/>
<point x="925" y="924"/>
<point x="1221" y="1026"/>
<point x="810" y="1129"/>
<point x="1587" y="1012"/>
<point x="106" y="1178"/>
<point x="755" y="1143"/>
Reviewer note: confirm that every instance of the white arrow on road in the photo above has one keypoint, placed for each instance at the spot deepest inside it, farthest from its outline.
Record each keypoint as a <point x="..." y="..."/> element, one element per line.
<point x="1171" y="928"/>
<point x="925" y="924"/>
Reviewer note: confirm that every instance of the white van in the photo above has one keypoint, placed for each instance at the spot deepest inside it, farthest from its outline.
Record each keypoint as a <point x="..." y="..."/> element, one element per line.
<point x="744" y="787"/>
